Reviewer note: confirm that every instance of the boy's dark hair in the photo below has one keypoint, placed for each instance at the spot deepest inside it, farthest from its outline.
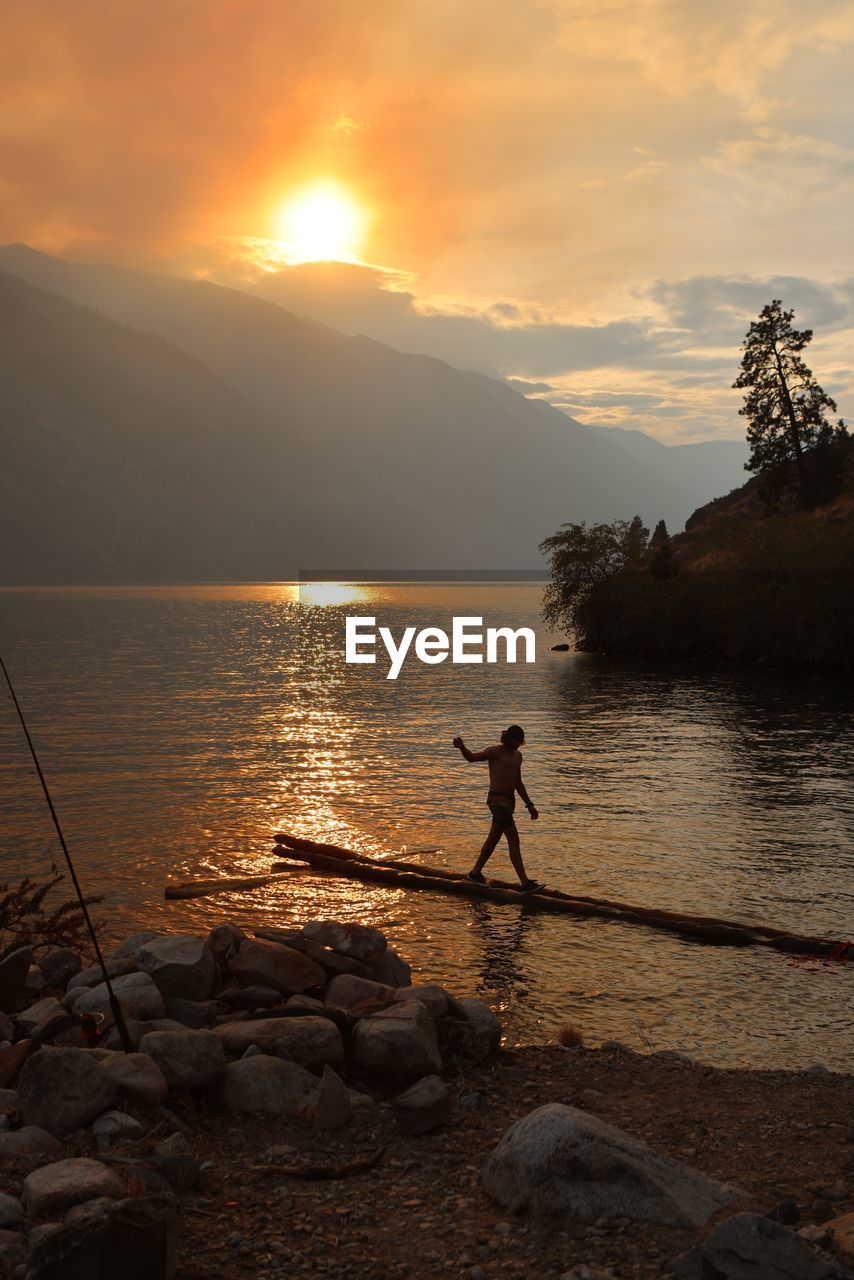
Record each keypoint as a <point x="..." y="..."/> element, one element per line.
<point x="514" y="734"/>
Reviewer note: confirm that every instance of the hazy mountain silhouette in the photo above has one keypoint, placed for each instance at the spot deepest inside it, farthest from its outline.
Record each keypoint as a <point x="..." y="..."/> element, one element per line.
<point x="221" y="436"/>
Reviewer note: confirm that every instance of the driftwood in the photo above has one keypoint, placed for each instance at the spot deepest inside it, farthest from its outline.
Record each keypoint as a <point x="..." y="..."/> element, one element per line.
<point x="345" y="862"/>
<point x="226" y="884"/>
<point x="326" y="1172"/>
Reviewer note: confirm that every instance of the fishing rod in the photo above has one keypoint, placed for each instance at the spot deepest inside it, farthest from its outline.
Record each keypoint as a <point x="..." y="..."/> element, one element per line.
<point x="118" y="1016"/>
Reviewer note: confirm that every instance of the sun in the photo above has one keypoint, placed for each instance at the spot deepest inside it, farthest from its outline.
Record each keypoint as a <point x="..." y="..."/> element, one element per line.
<point x="321" y="223"/>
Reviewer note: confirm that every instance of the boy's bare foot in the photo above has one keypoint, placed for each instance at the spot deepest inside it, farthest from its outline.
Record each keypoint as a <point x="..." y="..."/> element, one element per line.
<point x="476" y="877"/>
<point x="532" y="886"/>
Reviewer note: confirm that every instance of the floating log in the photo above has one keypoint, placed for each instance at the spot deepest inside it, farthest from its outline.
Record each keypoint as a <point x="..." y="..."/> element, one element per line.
<point x="345" y="862"/>
<point x="225" y="884"/>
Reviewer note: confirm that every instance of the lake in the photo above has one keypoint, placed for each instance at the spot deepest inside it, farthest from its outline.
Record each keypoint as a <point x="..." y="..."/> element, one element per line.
<point x="180" y="726"/>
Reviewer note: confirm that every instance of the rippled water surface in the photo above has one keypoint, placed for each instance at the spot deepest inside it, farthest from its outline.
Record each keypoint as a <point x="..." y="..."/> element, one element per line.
<point x="180" y="726"/>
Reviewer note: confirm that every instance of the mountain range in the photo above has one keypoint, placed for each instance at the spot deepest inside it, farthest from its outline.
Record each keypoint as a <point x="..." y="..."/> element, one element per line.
<point x="165" y="429"/>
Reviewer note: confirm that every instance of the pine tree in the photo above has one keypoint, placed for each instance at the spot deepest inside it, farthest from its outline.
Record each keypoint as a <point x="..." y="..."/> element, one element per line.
<point x="659" y="536"/>
<point x="783" y="403"/>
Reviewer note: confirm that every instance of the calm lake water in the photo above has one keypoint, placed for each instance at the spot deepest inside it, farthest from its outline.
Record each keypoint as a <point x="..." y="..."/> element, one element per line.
<point x="180" y="726"/>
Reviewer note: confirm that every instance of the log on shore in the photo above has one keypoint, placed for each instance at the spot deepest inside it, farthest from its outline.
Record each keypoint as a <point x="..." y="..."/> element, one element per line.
<point x="345" y="862"/>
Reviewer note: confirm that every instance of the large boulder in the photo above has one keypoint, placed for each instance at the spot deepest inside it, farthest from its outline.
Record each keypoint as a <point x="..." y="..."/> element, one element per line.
<point x="93" y="975"/>
<point x="349" y="992"/>
<point x="392" y="969"/>
<point x="312" y="1042"/>
<point x="559" y="1160"/>
<point x="181" y="966"/>
<point x="188" y="1059"/>
<point x="135" y="1239"/>
<point x="273" y="965"/>
<point x="40" y="1014"/>
<point x="11" y="1211"/>
<point x="357" y="940"/>
<point x="129" y="946"/>
<point x="224" y="941"/>
<point x="471" y="1034"/>
<point x="59" y="966"/>
<point x="62" y="1089"/>
<point x="399" y="1042"/>
<point x="14" y="993"/>
<point x="29" y="1141"/>
<point x="433" y="997"/>
<point x="136" y="993"/>
<point x="138" y="1078"/>
<point x="751" y="1247"/>
<point x="49" y="1191"/>
<point x="268" y="1085"/>
<point x="191" y="1013"/>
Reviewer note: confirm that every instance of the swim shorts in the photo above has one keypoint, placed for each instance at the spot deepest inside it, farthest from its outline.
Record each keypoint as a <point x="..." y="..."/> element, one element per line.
<point x="502" y="814"/>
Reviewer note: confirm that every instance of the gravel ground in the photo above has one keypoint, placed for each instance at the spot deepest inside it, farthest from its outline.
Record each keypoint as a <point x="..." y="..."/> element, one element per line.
<point x="420" y="1211"/>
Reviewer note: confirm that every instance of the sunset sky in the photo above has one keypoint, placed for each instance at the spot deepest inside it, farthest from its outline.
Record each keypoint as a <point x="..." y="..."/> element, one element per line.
<point x="591" y="198"/>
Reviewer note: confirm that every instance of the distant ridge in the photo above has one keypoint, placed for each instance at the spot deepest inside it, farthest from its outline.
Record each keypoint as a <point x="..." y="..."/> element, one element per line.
<point x="158" y="428"/>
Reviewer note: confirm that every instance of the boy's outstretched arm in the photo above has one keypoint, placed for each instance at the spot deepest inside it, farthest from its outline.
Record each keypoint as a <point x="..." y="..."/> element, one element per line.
<point x="471" y="756"/>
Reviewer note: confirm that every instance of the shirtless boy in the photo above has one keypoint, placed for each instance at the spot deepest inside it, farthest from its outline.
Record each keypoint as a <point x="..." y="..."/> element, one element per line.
<point x="505" y="779"/>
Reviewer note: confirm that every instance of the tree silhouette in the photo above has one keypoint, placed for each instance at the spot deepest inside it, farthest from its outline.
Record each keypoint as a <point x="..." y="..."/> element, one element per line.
<point x="783" y="403"/>
<point x="659" y="536"/>
<point x="582" y="557"/>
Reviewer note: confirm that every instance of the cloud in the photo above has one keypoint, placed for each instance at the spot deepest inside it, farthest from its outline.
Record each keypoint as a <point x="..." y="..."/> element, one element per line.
<point x="665" y="366"/>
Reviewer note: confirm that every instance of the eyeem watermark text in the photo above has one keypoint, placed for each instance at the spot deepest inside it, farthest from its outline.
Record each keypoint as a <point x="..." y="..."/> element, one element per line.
<point x="468" y="642"/>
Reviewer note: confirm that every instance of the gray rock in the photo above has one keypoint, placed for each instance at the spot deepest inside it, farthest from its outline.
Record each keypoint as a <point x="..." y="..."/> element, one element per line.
<point x="29" y="1141"/>
<point x="191" y="1013"/>
<point x="40" y="1013"/>
<point x="312" y="1042"/>
<point x="62" y="1089"/>
<point x="136" y="993"/>
<point x="350" y="992"/>
<point x="138" y="1078"/>
<point x="224" y="941"/>
<point x="59" y="966"/>
<point x="333" y="963"/>
<point x="8" y="1101"/>
<point x="559" y="1160"/>
<point x="49" y="1191"/>
<point x="750" y="1246"/>
<point x="135" y="1239"/>
<point x="188" y="1059"/>
<point x="424" y="1106"/>
<point x="175" y="1145"/>
<point x="130" y="945"/>
<point x="391" y="969"/>
<point x="93" y="975"/>
<point x="399" y="1042"/>
<point x="333" y="1108"/>
<point x="357" y="940"/>
<point x="34" y="981"/>
<point x="484" y="1024"/>
<point x="115" y="1126"/>
<point x="13" y="1251"/>
<point x="432" y="996"/>
<point x="181" y="966"/>
<point x="268" y="1085"/>
<point x="274" y="965"/>
<point x="14" y="993"/>
<point x="11" y="1211"/>
<point x="251" y="997"/>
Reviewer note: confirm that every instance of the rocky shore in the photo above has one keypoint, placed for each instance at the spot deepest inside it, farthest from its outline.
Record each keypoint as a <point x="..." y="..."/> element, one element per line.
<point x="295" y="1107"/>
